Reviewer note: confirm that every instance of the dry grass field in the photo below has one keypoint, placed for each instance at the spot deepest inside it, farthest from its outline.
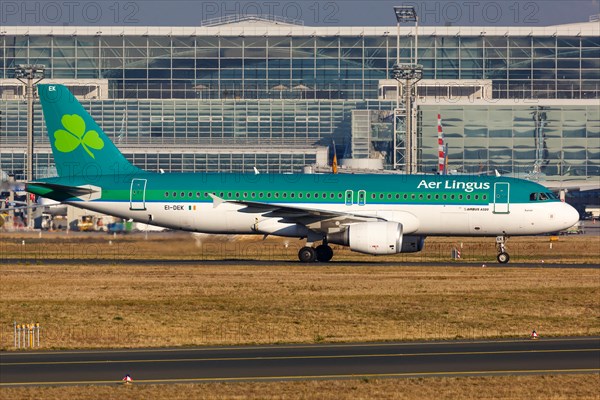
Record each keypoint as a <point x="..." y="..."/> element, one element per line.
<point x="173" y="303"/>
<point x="551" y="387"/>
<point x="167" y="295"/>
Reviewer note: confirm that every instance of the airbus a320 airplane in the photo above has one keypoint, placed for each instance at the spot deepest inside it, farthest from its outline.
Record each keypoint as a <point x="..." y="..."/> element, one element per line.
<point x="372" y="214"/>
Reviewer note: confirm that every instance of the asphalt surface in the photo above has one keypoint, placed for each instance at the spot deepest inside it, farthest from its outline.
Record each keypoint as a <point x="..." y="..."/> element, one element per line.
<point x="288" y="362"/>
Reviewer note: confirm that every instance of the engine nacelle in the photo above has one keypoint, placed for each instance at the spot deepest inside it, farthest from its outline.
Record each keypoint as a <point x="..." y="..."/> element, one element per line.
<point x="370" y="237"/>
<point x="377" y="238"/>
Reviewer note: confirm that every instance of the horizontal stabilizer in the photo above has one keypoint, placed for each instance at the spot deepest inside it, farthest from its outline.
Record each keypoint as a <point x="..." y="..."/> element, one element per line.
<point x="73" y="191"/>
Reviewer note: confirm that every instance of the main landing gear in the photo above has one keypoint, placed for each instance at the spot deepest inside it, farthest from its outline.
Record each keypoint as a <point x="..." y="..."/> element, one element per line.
<point x="322" y="253"/>
<point x="503" y="256"/>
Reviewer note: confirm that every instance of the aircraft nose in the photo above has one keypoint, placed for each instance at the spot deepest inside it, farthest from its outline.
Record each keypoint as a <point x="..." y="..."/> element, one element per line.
<point x="569" y="215"/>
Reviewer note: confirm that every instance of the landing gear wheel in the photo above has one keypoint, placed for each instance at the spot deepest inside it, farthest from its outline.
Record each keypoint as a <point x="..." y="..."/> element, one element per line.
<point x="307" y="255"/>
<point x="503" y="258"/>
<point x="324" y="253"/>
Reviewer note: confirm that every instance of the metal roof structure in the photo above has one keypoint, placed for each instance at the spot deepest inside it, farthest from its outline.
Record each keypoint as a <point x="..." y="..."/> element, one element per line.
<point x="254" y="26"/>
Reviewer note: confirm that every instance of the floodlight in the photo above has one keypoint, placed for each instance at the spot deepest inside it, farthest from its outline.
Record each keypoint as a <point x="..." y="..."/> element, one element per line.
<point x="405" y="14"/>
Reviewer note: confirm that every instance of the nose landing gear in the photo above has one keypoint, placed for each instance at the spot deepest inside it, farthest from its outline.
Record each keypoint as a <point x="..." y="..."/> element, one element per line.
<point x="503" y="256"/>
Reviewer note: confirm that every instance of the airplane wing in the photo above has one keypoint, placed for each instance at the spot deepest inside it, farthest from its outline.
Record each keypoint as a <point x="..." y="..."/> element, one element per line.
<point x="313" y="218"/>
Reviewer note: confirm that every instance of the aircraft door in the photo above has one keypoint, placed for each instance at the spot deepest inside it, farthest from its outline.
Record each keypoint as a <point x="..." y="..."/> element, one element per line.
<point x="362" y="197"/>
<point x="501" y="197"/>
<point x="137" y="194"/>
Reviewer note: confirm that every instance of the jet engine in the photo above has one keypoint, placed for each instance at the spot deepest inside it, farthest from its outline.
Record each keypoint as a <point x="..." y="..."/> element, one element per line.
<point x="377" y="238"/>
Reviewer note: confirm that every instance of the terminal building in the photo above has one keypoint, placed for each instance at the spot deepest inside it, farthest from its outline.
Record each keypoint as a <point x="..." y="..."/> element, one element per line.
<point x="261" y="91"/>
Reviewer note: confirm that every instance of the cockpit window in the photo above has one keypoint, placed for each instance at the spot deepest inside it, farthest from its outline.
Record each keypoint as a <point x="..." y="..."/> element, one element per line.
<point x="542" y="196"/>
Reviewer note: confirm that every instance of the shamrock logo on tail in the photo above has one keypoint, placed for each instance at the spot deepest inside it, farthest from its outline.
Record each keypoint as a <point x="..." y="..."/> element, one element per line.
<point x="75" y="134"/>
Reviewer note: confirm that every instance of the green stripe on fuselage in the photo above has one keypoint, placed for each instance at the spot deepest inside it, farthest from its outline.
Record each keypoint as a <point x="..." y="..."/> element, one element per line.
<point x="386" y="189"/>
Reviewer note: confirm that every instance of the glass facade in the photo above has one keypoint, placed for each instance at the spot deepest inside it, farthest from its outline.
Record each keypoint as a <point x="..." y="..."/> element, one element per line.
<point x="564" y="140"/>
<point x="267" y="134"/>
<point x="307" y="67"/>
<point x="259" y="95"/>
<point x="238" y="161"/>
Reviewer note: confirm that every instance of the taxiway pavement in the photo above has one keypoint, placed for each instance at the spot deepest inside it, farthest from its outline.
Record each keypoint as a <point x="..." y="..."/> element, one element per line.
<point x="286" y="362"/>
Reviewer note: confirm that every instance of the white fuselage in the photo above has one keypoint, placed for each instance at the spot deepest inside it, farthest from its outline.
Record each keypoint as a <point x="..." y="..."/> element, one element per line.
<point x="424" y="220"/>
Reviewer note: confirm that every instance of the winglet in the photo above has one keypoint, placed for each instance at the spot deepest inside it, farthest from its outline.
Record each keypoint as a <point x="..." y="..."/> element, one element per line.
<point x="497" y="173"/>
<point x="217" y="201"/>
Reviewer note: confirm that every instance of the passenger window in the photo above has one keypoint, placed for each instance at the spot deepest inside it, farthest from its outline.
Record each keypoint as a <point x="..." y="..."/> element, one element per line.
<point x="166" y="194"/>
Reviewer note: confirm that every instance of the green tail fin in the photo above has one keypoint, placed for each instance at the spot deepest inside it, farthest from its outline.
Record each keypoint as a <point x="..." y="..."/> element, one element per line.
<point x="79" y="145"/>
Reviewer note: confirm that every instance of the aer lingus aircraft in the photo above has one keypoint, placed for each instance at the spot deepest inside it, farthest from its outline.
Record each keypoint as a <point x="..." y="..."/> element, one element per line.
<point x="373" y="214"/>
